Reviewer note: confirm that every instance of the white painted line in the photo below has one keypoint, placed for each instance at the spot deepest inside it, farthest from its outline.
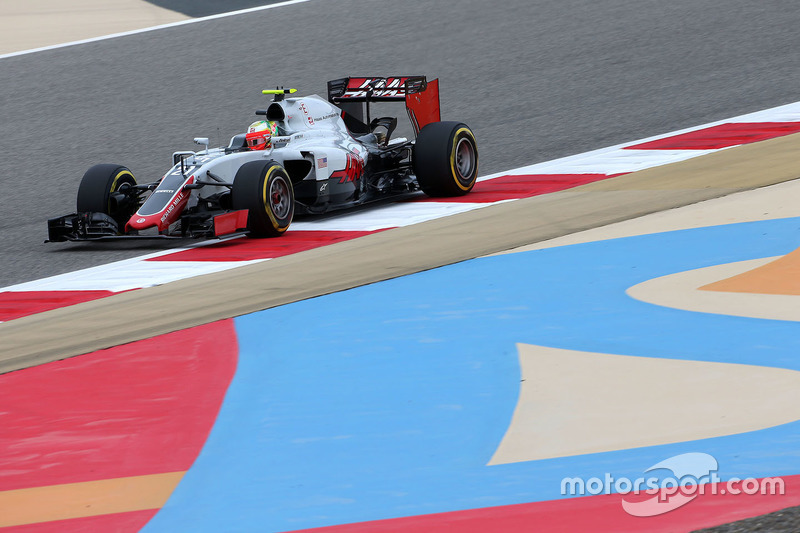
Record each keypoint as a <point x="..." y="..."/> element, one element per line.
<point x="612" y="162"/>
<point x="391" y="216"/>
<point x="155" y="28"/>
<point x="784" y="113"/>
<point x="126" y="275"/>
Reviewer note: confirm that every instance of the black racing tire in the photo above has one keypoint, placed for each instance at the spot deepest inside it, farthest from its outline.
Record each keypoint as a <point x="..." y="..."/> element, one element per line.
<point x="97" y="188"/>
<point x="265" y="190"/>
<point x="445" y="159"/>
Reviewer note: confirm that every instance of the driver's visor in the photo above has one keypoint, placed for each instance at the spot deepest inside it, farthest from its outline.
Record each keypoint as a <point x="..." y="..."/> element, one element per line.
<point x="258" y="140"/>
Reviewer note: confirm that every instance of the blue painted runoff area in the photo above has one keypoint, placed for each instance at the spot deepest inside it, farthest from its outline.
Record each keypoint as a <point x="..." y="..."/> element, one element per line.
<point x="388" y="400"/>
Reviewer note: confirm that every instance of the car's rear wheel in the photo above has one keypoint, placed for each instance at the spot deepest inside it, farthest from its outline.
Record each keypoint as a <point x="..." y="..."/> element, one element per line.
<point x="108" y="189"/>
<point x="265" y="190"/>
<point x="446" y="159"/>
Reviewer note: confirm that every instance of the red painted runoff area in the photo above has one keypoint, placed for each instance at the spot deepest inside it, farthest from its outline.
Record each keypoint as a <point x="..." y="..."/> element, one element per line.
<point x="599" y="514"/>
<point x="18" y="304"/>
<point x="137" y="409"/>
<point x="722" y="136"/>
<point x="246" y="249"/>
<point x="117" y="523"/>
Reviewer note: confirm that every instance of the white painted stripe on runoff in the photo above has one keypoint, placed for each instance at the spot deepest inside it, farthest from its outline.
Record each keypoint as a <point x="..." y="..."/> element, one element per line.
<point x="391" y="216"/>
<point x="127" y="275"/>
<point x="612" y="162"/>
<point x="784" y="113"/>
<point x="154" y="28"/>
<point x="60" y="281"/>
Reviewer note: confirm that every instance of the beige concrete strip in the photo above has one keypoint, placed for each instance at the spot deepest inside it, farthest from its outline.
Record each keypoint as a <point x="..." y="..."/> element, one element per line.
<point x="682" y="291"/>
<point x="574" y="403"/>
<point x="144" y="313"/>
<point x="781" y="276"/>
<point x="80" y="500"/>
<point x="38" y="23"/>
<point x="767" y="203"/>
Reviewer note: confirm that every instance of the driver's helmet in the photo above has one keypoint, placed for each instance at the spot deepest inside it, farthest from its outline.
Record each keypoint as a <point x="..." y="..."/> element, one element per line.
<point x="259" y="134"/>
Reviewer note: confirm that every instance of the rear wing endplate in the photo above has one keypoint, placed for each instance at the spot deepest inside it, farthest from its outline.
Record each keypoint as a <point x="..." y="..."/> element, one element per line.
<point x="421" y="96"/>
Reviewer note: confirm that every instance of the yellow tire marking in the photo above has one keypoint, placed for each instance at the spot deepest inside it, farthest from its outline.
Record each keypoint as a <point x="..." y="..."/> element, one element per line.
<point x="90" y="498"/>
<point x="114" y="185"/>
<point x="118" y="176"/>
<point x="453" y="160"/>
<point x="275" y="223"/>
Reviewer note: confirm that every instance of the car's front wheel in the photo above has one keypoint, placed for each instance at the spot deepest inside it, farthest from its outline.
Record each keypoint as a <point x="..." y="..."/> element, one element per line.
<point x="445" y="159"/>
<point x="108" y="189"/>
<point x="265" y="190"/>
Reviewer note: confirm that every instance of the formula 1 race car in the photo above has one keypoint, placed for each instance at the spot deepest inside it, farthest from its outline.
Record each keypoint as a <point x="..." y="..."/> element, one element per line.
<point x="306" y="156"/>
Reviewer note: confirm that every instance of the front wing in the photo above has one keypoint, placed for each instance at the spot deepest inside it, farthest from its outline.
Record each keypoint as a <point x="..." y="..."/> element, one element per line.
<point x="99" y="226"/>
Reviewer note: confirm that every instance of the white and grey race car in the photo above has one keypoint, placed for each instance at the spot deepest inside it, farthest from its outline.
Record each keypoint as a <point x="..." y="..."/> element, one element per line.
<point x="307" y="155"/>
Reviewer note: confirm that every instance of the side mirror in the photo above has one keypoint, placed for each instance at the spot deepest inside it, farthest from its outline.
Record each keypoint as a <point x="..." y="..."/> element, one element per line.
<point x="177" y="157"/>
<point x="202" y="140"/>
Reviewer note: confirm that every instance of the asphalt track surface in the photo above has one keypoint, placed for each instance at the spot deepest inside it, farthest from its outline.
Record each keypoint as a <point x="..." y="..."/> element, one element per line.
<point x="535" y="80"/>
<point x="204" y="8"/>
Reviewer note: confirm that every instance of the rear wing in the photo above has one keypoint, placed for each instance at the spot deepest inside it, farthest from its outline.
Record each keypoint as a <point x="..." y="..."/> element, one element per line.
<point x="354" y="94"/>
